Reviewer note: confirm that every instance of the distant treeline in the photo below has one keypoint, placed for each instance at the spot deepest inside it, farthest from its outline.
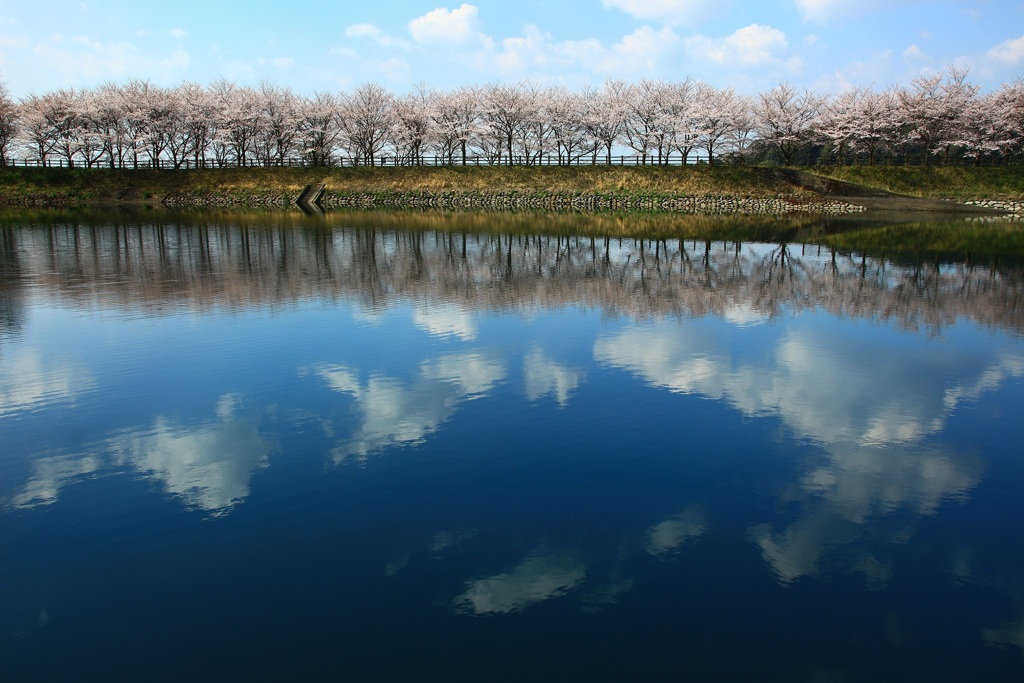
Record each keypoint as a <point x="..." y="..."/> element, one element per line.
<point x="942" y="118"/>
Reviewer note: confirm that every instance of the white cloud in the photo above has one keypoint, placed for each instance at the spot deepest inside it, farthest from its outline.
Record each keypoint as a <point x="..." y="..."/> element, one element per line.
<point x="446" y="27"/>
<point x="178" y="33"/>
<point x="541" y="576"/>
<point x="869" y="426"/>
<point x="343" y="53"/>
<point x="239" y="70"/>
<point x="755" y="45"/>
<point x="373" y="33"/>
<point x="915" y="53"/>
<point x="824" y="10"/>
<point x="364" y="31"/>
<point x="867" y="72"/>
<point x="669" y="11"/>
<point x="529" y="50"/>
<point x="831" y="11"/>
<point x="640" y="53"/>
<point x="644" y="48"/>
<point x="79" y="61"/>
<point x="1008" y="51"/>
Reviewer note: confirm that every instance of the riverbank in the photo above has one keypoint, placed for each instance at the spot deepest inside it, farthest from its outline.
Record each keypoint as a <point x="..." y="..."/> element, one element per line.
<point x="690" y="189"/>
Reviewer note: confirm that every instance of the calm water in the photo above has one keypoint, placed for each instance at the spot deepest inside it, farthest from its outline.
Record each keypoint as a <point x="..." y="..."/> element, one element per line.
<point x="389" y="447"/>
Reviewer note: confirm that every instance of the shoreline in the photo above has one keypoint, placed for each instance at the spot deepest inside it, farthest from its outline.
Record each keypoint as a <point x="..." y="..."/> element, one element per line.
<point x="699" y="190"/>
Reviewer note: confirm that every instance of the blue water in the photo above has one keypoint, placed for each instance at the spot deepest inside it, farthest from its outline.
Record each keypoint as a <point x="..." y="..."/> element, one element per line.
<point x="236" y="449"/>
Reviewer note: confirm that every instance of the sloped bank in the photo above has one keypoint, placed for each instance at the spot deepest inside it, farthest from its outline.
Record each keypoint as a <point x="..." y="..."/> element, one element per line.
<point x="698" y="190"/>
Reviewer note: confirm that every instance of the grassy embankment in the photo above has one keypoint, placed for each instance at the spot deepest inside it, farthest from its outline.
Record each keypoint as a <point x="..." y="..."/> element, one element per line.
<point x="21" y="185"/>
<point x="958" y="183"/>
<point x="18" y="185"/>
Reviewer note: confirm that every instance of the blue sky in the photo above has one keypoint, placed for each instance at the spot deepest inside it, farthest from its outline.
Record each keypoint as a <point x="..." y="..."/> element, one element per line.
<point x="825" y="45"/>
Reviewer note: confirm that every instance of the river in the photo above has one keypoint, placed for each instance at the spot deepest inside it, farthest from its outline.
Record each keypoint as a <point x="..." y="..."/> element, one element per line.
<point x="408" y="446"/>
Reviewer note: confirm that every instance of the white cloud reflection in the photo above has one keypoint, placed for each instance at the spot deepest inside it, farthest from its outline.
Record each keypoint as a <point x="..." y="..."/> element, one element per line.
<point x="445" y="321"/>
<point x="847" y="499"/>
<point x="539" y="577"/>
<point x="868" y="406"/>
<point x="822" y="390"/>
<point x="50" y="474"/>
<point x="666" y="537"/>
<point x="1010" y="634"/>
<point x="394" y="413"/>
<point x="544" y="376"/>
<point x="208" y="466"/>
<point x="28" y="381"/>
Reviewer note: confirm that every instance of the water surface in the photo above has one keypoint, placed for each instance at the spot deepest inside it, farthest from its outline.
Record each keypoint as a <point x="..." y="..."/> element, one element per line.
<point x="395" y="447"/>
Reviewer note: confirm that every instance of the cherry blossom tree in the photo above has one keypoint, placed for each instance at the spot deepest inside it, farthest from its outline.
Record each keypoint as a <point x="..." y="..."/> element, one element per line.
<point x="983" y="137"/>
<point x="8" y="123"/>
<point x="642" y="131"/>
<point x="275" y="136"/>
<point x="505" y="112"/>
<point x="414" y="124"/>
<point x="840" y="121"/>
<point x="932" y="109"/>
<point x="52" y="124"/>
<point x="785" y="118"/>
<point x="678" y="119"/>
<point x="566" y="111"/>
<point x="241" y="122"/>
<point x="717" y="112"/>
<point x="536" y="135"/>
<point x="1008" y="104"/>
<point x="458" y="121"/>
<point x="35" y="130"/>
<point x="367" y="121"/>
<point x="605" y="116"/>
<point x="139" y="123"/>
<point x="198" y="124"/>
<point x="877" y="123"/>
<point x="319" y="128"/>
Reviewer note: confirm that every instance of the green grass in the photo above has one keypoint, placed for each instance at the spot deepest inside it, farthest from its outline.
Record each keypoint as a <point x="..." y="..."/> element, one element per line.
<point x="113" y="185"/>
<point x="961" y="183"/>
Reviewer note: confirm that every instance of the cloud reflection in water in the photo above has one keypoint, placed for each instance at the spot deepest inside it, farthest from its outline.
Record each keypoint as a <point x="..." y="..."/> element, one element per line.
<point x="539" y="577"/>
<point x="544" y="376"/>
<point x="867" y="406"/>
<point x="28" y="381"/>
<point x="208" y="466"/>
<point x="394" y="413"/>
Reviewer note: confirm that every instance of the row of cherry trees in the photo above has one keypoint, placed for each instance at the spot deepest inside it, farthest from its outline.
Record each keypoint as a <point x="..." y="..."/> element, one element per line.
<point x="140" y="124"/>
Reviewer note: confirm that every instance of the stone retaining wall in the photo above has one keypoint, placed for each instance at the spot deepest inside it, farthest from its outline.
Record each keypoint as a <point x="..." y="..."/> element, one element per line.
<point x="589" y="202"/>
<point x="1012" y="207"/>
